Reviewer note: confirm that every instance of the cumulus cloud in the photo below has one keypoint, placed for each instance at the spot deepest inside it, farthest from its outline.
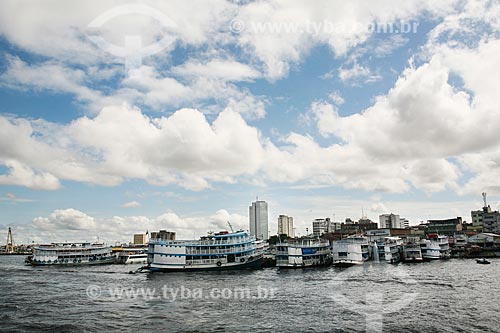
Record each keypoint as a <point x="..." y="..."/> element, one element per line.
<point x="123" y="143"/>
<point x="74" y="225"/>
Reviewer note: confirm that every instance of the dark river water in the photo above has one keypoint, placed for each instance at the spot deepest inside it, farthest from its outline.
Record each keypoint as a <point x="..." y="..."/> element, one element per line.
<point x="442" y="296"/>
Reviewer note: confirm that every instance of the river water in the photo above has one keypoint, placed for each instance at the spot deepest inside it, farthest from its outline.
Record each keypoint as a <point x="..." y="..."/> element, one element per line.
<point x="442" y="296"/>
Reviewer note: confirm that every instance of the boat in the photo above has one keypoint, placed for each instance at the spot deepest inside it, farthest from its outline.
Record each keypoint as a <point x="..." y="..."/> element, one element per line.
<point x="219" y="251"/>
<point x="435" y="247"/>
<point x="62" y="254"/>
<point x="350" y="251"/>
<point x="412" y="253"/>
<point x="301" y="253"/>
<point x="392" y="249"/>
<point x="483" y="261"/>
<point x="132" y="255"/>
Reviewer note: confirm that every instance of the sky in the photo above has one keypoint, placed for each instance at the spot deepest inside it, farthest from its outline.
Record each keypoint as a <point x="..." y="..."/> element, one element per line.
<point x="120" y="118"/>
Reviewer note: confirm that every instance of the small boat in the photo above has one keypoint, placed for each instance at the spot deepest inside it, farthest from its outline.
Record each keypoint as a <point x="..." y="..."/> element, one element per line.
<point x="482" y="261"/>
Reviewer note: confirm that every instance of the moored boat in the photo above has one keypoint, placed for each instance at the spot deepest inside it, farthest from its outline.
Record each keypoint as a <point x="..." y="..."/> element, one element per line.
<point x="435" y="247"/>
<point x="132" y="255"/>
<point x="220" y="251"/>
<point x="412" y="253"/>
<point x="350" y="251"/>
<point x="301" y="253"/>
<point x="71" y="254"/>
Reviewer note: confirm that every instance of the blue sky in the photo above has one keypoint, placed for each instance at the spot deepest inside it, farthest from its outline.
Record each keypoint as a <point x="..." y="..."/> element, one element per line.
<point x="325" y="122"/>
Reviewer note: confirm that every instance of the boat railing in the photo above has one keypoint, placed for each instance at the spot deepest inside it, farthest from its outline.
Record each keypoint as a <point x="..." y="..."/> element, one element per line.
<point x="220" y="251"/>
<point x="204" y="242"/>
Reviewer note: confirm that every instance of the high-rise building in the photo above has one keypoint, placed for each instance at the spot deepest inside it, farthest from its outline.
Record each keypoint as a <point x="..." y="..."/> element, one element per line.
<point x="140" y="239"/>
<point x="285" y="226"/>
<point x="259" y="222"/>
<point x="163" y="235"/>
<point x="322" y="226"/>
<point x="393" y="221"/>
<point x="486" y="219"/>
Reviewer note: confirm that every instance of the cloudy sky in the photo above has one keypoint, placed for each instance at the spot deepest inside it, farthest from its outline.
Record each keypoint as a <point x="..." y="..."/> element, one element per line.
<point x="117" y="119"/>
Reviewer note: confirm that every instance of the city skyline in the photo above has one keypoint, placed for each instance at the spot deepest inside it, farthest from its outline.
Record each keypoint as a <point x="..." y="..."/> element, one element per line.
<point x="322" y="113"/>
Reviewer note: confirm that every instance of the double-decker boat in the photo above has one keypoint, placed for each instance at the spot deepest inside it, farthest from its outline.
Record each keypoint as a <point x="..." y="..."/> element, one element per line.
<point x="392" y="249"/>
<point x="71" y="254"/>
<point x="301" y="253"/>
<point x="353" y="250"/>
<point x="435" y="247"/>
<point x="220" y="251"/>
<point x="412" y="252"/>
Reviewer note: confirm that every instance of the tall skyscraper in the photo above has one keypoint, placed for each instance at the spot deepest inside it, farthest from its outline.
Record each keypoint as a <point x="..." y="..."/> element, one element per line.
<point x="259" y="220"/>
<point x="285" y="226"/>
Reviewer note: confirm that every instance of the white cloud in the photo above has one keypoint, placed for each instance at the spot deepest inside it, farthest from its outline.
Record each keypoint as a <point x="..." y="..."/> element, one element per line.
<point x="21" y="174"/>
<point x="357" y="74"/>
<point x="122" y="143"/>
<point x="131" y="204"/>
<point x="74" y="225"/>
<point x="228" y="70"/>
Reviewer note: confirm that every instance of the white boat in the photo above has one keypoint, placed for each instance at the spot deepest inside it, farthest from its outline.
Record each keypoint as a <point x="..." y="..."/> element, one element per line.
<point x="435" y="247"/>
<point x="350" y="251"/>
<point x="71" y="254"/>
<point x="220" y="251"/>
<point x="412" y="253"/>
<point x="302" y="253"/>
<point x="132" y="255"/>
<point x="392" y="249"/>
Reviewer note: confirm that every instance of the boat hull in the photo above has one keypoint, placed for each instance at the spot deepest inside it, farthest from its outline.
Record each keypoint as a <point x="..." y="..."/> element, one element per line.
<point x="327" y="263"/>
<point x="70" y="263"/>
<point x="255" y="264"/>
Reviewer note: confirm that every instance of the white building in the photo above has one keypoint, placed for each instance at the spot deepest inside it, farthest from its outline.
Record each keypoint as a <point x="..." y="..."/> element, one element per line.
<point x="322" y="226"/>
<point x="393" y="221"/>
<point x="259" y="221"/>
<point x="285" y="226"/>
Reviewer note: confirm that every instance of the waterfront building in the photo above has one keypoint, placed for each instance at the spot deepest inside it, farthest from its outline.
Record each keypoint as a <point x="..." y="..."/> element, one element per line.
<point x="258" y="219"/>
<point x="448" y="227"/>
<point x="163" y="235"/>
<point x="377" y="234"/>
<point x="220" y="251"/>
<point x="366" y="224"/>
<point x="140" y="239"/>
<point x="485" y="239"/>
<point x="285" y="226"/>
<point x="325" y="225"/>
<point x="393" y="221"/>
<point x="306" y="252"/>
